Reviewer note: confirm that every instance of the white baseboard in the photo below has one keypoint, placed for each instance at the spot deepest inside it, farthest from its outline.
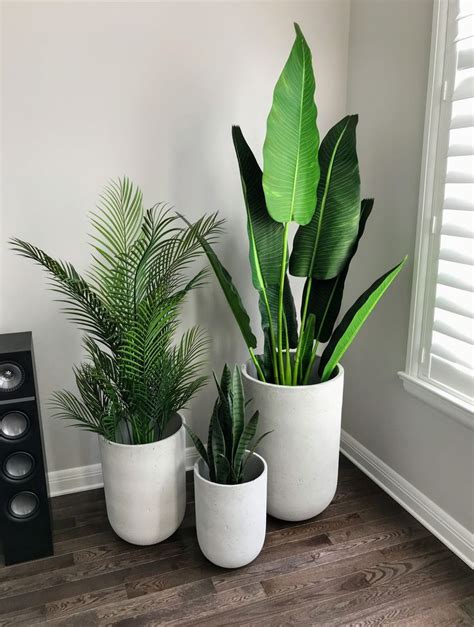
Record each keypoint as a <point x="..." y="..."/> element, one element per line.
<point x="456" y="537"/>
<point x="90" y="477"/>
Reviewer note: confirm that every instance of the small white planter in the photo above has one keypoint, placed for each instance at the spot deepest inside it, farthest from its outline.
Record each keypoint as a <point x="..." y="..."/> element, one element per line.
<point x="231" y="519"/>
<point x="145" y="485"/>
<point x="302" y="453"/>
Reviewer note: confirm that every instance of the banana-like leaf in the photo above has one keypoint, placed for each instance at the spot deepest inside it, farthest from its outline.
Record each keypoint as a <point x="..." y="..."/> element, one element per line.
<point x="230" y="291"/>
<point x="325" y="297"/>
<point x="307" y="342"/>
<point x="290" y="152"/>
<point x="238" y="409"/>
<point x="288" y="309"/>
<point x="247" y="436"/>
<point x="353" y="320"/>
<point x="320" y="249"/>
<point x="197" y="443"/>
<point x="265" y="235"/>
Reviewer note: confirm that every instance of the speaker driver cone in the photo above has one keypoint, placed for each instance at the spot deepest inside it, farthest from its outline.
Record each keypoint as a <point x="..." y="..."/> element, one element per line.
<point x="23" y="505"/>
<point x="13" y="425"/>
<point x="11" y="376"/>
<point x="19" y="465"/>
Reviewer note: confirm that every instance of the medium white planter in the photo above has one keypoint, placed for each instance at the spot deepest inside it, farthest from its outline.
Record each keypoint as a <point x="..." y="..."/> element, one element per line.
<point x="145" y="485"/>
<point x="231" y="519"/>
<point x="302" y="453"/>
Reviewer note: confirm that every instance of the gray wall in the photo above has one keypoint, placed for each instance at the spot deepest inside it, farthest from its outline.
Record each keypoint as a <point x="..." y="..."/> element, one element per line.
<point x="388" y="69"/>
<point x="95" y="90"/>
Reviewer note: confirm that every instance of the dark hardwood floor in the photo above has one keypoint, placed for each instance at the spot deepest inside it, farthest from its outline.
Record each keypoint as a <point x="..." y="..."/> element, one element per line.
<point x="364" y="561"/>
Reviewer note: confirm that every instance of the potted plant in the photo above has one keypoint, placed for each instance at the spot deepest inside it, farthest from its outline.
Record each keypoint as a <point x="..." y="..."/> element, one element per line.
<point x="317" y="186"/>
<point x="135" y="378"/>
<point x="230" y="481"/>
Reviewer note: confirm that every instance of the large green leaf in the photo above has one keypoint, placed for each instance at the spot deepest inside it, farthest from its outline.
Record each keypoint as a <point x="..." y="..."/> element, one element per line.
<point x="265" y="235"/>
<point x="290" y="164"/>
<point x="353" y="320"/>
<point x="325" y="297"/>
<point x="321" y="248"/>
<point x="230" y="291"/>
<point x="288" y="309"/>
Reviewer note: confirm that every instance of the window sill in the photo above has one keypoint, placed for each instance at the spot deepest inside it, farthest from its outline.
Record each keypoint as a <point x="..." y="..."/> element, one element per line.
<point x="455" y="408"/>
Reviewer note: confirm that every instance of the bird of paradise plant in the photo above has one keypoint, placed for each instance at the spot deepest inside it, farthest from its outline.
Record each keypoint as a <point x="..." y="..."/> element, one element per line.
<point x="317" y="186"/>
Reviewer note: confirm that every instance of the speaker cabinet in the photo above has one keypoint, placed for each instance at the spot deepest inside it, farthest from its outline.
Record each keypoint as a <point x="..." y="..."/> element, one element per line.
<point x="25" y="520"/>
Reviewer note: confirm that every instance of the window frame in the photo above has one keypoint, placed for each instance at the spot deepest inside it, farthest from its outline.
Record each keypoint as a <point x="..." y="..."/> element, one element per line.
<point x="415" y="377"/>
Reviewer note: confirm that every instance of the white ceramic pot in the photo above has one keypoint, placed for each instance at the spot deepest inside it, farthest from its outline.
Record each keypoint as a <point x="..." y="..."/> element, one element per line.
<point x="231" y="519"/>
<point x="145" y="485"/>
<point x="302" y="452"/>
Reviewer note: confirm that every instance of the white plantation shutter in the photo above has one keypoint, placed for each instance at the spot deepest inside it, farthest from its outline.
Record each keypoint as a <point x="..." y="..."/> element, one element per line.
<point x="441" y="347"/>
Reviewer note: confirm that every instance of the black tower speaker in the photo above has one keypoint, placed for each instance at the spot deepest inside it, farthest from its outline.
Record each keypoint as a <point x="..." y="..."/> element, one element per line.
<point x="25" y="521"/>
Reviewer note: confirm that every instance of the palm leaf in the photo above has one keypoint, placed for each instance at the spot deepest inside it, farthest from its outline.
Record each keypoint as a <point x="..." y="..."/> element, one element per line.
<point x="291" y="171"/>
<point x="351" y="323"/>
<point x="321" y="248"/>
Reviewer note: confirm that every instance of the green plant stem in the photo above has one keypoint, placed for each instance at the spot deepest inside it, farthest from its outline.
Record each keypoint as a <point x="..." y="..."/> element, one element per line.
<point x="287" y="352"/>
<point x="257" y="365"/>
<point x="280" y="302"/>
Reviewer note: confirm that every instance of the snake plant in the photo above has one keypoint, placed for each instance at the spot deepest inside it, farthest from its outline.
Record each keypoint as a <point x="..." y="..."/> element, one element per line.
<point x="317" y="186"/>
<point x="136" y="376"/>
<point x="229" y="437"/>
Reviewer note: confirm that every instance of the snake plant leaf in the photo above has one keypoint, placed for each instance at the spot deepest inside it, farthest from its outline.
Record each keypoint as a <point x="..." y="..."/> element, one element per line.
<point x="218" y="450"/>
<point x="210" y="456"/>
<point x="251" y="452"/>
<point x="226" y="379"/>
<point x="325" y="297"/>
<point x="265" y="235"/>
<point x="226" y="474"/>
<point x="247" y="436"/>
<point x="238" y="409"/>
<point x="230" y="292"/>
<point x="290" y="151"/>
<point x="353" y="321"/>
<point x="223" y="414"/>
<point x="197" y="443"/>
<point x="321" y="248"/>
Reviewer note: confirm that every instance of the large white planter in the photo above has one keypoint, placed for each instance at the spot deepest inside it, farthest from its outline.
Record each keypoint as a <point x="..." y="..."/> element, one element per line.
<point x="145" y="485"/>
<point x="302" y="453"/>
<point x="231" y="519"/>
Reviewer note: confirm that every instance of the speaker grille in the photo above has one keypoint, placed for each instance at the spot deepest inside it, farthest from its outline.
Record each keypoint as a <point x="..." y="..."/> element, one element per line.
<point x="14" y="425"/>
<point x="11" y="376"/>
<point x="23" y="505"/>
<point x="19" y="465"/>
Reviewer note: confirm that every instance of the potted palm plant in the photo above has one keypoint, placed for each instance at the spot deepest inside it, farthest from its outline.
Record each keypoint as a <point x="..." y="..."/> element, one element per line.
<point x="230" y="481"/>
<point x="317" y="186"/>
<point x="135" y="378"/>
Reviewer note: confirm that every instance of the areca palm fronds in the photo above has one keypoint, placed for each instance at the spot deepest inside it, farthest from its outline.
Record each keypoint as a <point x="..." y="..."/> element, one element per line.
<point x="136" y="375"/>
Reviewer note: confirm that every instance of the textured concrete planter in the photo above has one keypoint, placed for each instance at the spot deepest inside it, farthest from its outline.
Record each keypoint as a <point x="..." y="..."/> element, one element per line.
<point x="145" y="486"/>
<point x="231" y="519"/>
<point x="302" y="453"/>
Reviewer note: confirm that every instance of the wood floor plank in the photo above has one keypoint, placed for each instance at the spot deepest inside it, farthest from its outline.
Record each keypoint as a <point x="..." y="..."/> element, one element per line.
<point x="363" y="561"/>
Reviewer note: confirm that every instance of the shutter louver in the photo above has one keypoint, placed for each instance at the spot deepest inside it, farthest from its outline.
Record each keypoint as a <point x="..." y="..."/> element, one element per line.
<point x="451" y="347"/>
